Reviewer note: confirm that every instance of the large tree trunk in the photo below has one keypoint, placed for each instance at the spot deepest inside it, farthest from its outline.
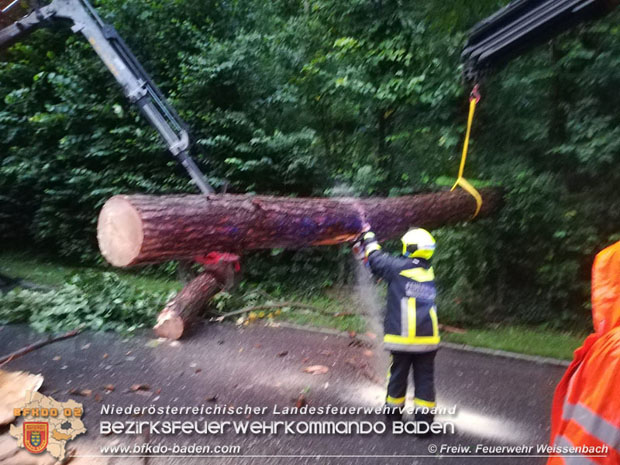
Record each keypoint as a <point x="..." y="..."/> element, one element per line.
<point x="147" y="229"/>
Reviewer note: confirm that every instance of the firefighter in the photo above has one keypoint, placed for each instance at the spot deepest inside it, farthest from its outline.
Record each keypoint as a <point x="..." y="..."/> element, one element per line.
<point x="411" y="331"/>
<point x="586" y="405"/>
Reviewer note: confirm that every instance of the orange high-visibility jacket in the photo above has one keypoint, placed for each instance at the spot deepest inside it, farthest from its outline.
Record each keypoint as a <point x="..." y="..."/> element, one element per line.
<point x="586" y="405"/>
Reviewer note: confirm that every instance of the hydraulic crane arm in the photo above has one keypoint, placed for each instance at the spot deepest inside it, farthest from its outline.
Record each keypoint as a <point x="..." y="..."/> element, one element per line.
<point x="520" y="26"/>
<point x="137" y="86"/>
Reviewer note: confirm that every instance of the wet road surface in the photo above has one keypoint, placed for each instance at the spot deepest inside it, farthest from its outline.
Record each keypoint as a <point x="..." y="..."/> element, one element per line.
<point x="499" y="401"/>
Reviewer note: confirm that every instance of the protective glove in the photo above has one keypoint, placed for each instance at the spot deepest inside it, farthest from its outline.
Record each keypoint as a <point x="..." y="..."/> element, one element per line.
<point x="364" y="245"/>
<point x="369" y="240"/>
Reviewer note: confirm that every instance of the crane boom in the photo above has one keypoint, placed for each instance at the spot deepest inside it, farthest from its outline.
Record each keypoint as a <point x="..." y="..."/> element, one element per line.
<point x="522" y="25"/>
<point x="137" y="85"/>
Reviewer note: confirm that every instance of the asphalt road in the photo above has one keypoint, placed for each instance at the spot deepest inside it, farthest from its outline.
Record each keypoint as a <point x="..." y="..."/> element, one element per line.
<point x="498" y="401"/>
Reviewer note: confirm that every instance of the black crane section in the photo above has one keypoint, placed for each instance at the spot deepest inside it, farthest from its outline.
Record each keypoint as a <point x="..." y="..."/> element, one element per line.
<point x="522" y="25"/>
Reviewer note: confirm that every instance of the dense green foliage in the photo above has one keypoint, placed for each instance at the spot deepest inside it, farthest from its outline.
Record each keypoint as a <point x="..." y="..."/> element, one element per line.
<point x="97" y="301"/>
<point x="328" y="98"/>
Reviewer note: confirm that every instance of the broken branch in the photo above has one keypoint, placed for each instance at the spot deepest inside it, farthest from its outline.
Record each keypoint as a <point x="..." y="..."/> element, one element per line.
<point x="275" y="306"/>
<point x="37" y="345"/>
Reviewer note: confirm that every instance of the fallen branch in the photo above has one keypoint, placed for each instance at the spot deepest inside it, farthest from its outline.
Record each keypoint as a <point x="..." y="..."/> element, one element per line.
<point x="278" y="305"/>
<point x="37" y="345"/>
<point x="445" y="328"/>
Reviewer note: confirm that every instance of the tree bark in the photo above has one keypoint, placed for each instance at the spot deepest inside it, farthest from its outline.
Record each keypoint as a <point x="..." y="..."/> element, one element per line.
<point x="139" y="229"/>
<point x="185" y="308"/>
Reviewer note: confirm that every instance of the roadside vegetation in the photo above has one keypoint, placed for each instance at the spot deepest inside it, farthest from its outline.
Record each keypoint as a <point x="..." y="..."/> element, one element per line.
<point x="524" y="340"/>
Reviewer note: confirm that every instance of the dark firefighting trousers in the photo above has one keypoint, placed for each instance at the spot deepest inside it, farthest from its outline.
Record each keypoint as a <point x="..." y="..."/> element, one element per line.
<point x="423" y="366"/>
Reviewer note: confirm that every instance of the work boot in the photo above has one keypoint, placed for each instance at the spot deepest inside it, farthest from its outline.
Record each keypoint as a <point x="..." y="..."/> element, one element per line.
<point x="424" y="422"/>
<point x="393" y="414"/>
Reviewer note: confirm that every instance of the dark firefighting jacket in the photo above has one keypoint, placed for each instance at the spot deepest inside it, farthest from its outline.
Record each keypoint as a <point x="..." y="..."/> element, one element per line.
<point x="410" y="323"/>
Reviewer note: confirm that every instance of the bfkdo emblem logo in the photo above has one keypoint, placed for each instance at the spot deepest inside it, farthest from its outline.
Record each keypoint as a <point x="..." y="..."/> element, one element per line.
<point x="36" y="435"/>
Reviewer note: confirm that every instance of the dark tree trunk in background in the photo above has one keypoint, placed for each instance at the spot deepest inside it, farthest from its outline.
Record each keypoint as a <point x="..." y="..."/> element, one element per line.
<point x="557" y="123"/>
<point x="141" y="229"/>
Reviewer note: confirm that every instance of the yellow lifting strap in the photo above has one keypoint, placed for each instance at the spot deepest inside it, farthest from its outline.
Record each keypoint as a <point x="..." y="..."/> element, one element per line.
<point x="474" y="98"/>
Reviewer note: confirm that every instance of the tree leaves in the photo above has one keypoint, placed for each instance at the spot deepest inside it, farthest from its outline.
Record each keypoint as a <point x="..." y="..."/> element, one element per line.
<point x="98" y="301"/>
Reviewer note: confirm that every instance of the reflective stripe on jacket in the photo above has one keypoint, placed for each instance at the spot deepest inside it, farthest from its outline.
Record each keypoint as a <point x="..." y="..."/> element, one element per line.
<point x="410" y="323"/>
<point x="586" y="405"/>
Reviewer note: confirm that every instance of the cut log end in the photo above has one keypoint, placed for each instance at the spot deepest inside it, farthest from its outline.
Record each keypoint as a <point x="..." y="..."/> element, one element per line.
<point x="169" y="325"/>
<point x="119" y="231"/>
<point x="185" y="308"/>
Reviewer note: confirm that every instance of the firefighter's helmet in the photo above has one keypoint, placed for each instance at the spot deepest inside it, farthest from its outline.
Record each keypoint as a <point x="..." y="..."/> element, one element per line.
<point x="418" y="243"/>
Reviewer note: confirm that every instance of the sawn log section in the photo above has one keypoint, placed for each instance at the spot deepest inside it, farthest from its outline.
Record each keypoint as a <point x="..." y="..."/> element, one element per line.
<point x="137" y="229"/>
